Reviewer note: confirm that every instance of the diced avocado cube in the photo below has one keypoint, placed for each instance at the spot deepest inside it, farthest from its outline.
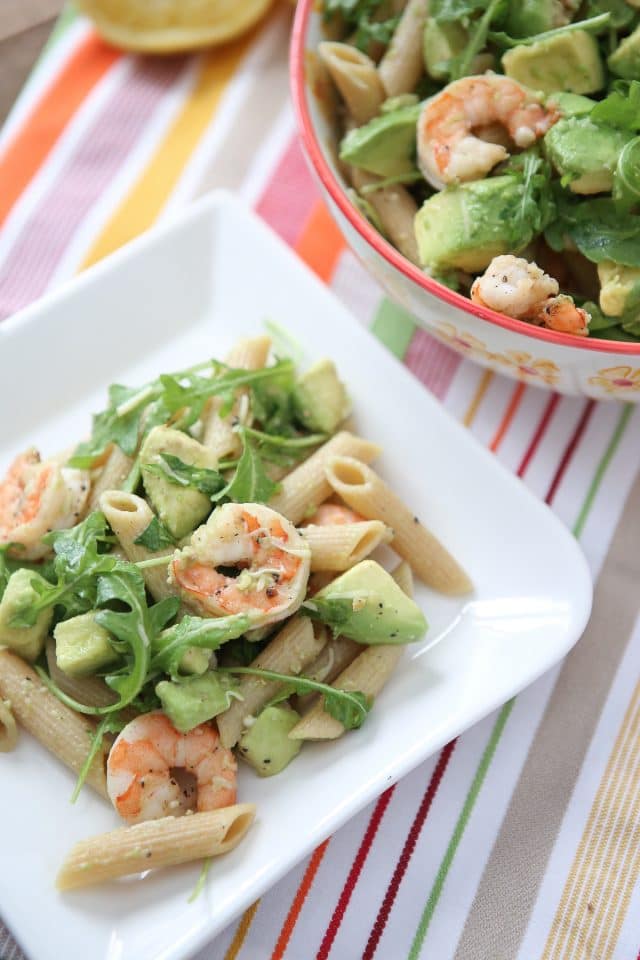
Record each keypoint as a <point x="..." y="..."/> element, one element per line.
<point x="190" y="702"/>
<point x="617" y="283"/>
<point x="320" y="398"/>
<point x="464" y="227"/>
<point x="526" y="18"/>
<point x="266" y="745"/>
<point x="625" y="61"/>
<point x="367" y="605"/>
<point x="19" y="596"/>
<point x="181" y="509"/>
<point x="584" y="153"/>
<point x="570" y="104"/>
<point x="82" y="646"/>
<point x="441" y="43"/>
<point x="385" y="145"/>
<point x="195" y="660"/>
<point x="570" y="62"/>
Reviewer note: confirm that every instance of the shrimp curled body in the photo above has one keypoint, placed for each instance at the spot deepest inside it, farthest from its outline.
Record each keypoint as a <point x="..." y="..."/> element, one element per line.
<point x="144" y="764"/>
<point x="519" y="289"/>
<point x="448" y="149"/>
<point x="37" y="496"/>
<point x="245" y="559"/>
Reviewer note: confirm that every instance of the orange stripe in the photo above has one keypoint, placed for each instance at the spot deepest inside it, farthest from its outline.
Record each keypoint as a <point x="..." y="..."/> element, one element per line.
<point x="298" y="901"/>
<point x="510" y="413"/>
<point x="241" y="932"/>
<point x="27" y="152"/>
<point x="320" y="243"/>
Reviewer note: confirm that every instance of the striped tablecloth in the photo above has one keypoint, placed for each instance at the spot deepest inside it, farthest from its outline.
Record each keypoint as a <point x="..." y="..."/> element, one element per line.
<point x="521" y="839"/>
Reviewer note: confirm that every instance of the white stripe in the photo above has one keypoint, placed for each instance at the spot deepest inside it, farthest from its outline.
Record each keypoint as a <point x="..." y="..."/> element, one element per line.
<point x="267" y="156"/>
<point x="353" y="285"/>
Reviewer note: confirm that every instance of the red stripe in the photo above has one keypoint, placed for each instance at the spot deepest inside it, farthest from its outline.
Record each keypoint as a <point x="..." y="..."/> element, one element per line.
<point x="290" y="195"/>
<point x="433" y="364"/>
<point x="569" y="450"/>
<point x="552" y="403"/>
<point x="407" y="852"/>
<point x="354" y="874"/>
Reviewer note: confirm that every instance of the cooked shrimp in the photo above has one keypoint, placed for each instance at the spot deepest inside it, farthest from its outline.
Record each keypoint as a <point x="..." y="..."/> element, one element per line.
<point x="333" y="514"/>
<point x="154" y="771"/>
<point x="517" y="288"/>
<point x="448" y="151"/>
<point x="37" y="496"/>
<point x="245" y="559"/>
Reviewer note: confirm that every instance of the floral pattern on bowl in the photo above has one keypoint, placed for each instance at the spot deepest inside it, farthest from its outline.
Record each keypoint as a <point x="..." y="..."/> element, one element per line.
<point x="617" y="381"/>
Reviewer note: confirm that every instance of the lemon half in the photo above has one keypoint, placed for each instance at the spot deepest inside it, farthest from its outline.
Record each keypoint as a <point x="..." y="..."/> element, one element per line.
<point x="169" y="26"/>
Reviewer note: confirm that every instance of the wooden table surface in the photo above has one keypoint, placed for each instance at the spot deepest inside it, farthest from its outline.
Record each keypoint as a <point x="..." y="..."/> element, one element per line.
<point x="24" y="28"/>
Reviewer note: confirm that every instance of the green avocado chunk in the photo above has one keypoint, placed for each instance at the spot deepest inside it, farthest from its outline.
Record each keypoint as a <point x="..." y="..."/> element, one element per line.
<point x="367" y="605"/>
<point x="567" y="62"/>
<point x="441" y="43"/>
<point x="464" y="227"/>
<point x="82" y="646"/>
<point x="266" y="745"/>
<point x="584" y="153"/>
<point x="617" y="285"/>
<point x="190" y="702"/>
<point x="526" y="18"/>
<point x="625" y="61"/>
<point x="19" y="596"/>
<point x="320" y="399"/>
<point x="181" y="509"/>
<point x="385" y="145"/>
<point x="570" y="104"/>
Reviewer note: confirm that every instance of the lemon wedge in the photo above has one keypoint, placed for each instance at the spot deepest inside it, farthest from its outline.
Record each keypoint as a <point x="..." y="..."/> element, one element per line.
<point x="169" y="26"/>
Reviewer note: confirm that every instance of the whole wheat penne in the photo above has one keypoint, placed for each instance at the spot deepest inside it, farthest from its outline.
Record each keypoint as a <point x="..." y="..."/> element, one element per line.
<point x="129" y="516"/>
<point x="367" y="671"/>
<point x="91" y="691"/>
<point x="154" y="844"/>
<point x="249" y="353"/>
<point x="363" y="490"/>
<point x="356" y="77"/>
<point x="295" y="646"/>
<point x="8" y="728"/>
<point x="341" y="546"/>
<point x="337" y="653"/>
<point x="63" y="732"/>
<point x="307" y="487"/>
<point x="402" y="65"/>
<point x="396" y="210"/>
<point x="113" y="474"/>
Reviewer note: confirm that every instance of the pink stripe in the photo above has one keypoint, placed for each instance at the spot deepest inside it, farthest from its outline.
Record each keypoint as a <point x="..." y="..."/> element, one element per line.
<point x="433" y="364"/>
<point x="290" y="195"/>
<point x="101" y="153"/>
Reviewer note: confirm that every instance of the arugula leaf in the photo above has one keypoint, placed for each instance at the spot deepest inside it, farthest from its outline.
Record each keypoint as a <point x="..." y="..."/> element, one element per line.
<point x="155" y="536"/>
<point x="109" y="724"/>
<point x="459" y="66"/>
<point x="453" y="11"/>
<point x="250" y="482"/>
<point x="626" y="178"/>
<point x="111" y="426"/>
<point x="599" y="229"/>
<point x="207" y="632"/>
<point x="242" y="651"/>
<point x="599" y="321"/>
<point x="183" y="474"/>
<point x="592" y="25"/>
<point x="349" y="707"/>
<point x="282" y="449"/>
<point x="621" y="108"/>
<point x="620" y="12"/>
<point x="367" y="16"/>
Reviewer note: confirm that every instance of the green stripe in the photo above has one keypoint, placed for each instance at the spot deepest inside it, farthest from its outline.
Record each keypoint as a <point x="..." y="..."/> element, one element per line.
<point x="490" y="750"/>
<point x="66" y="18"/>
<point x="601" y="470"/>
<point x="459" y="829"/>
<point x="394" y="326"/>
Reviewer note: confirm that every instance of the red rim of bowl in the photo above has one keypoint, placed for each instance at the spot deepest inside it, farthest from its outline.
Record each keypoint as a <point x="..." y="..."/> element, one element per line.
<point x="379" y="244"/>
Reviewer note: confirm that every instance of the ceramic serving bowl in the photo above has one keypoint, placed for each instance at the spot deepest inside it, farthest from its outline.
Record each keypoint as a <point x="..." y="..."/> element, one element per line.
<point x="603" y="369"/>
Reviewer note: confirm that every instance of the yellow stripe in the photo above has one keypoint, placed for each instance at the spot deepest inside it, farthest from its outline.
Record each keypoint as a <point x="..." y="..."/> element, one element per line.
<point x="241" y="932"/>
<point x="147" y="197"/>
<point x="478" y="397"/>
<point x="609" y="840"/>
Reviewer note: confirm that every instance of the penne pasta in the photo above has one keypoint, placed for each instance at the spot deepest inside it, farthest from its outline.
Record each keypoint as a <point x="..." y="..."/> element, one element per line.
<point x="295" y="646"/>
<point x="113" y="474"/>
<point x="306" y="487"/>
<point x="337" y="653"/>
<point x="396" y="211"/>
<point x="356" y="77"/>
<point x="341" y="546"/>
<point x="63" y="732"/>
<point x="367" y="671"/>
<point x="155" y="844"/>
<point x="8" y="728"/>
<point x="91" y="691"/>
<point x="129" y="516"/>
<point x="363" y="490"/>
<point x="402" y="65"/>
<point x="249" y="353"/>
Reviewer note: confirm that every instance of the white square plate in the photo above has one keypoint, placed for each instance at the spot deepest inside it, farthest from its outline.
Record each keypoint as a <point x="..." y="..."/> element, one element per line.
<point x="183" y="293"/>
